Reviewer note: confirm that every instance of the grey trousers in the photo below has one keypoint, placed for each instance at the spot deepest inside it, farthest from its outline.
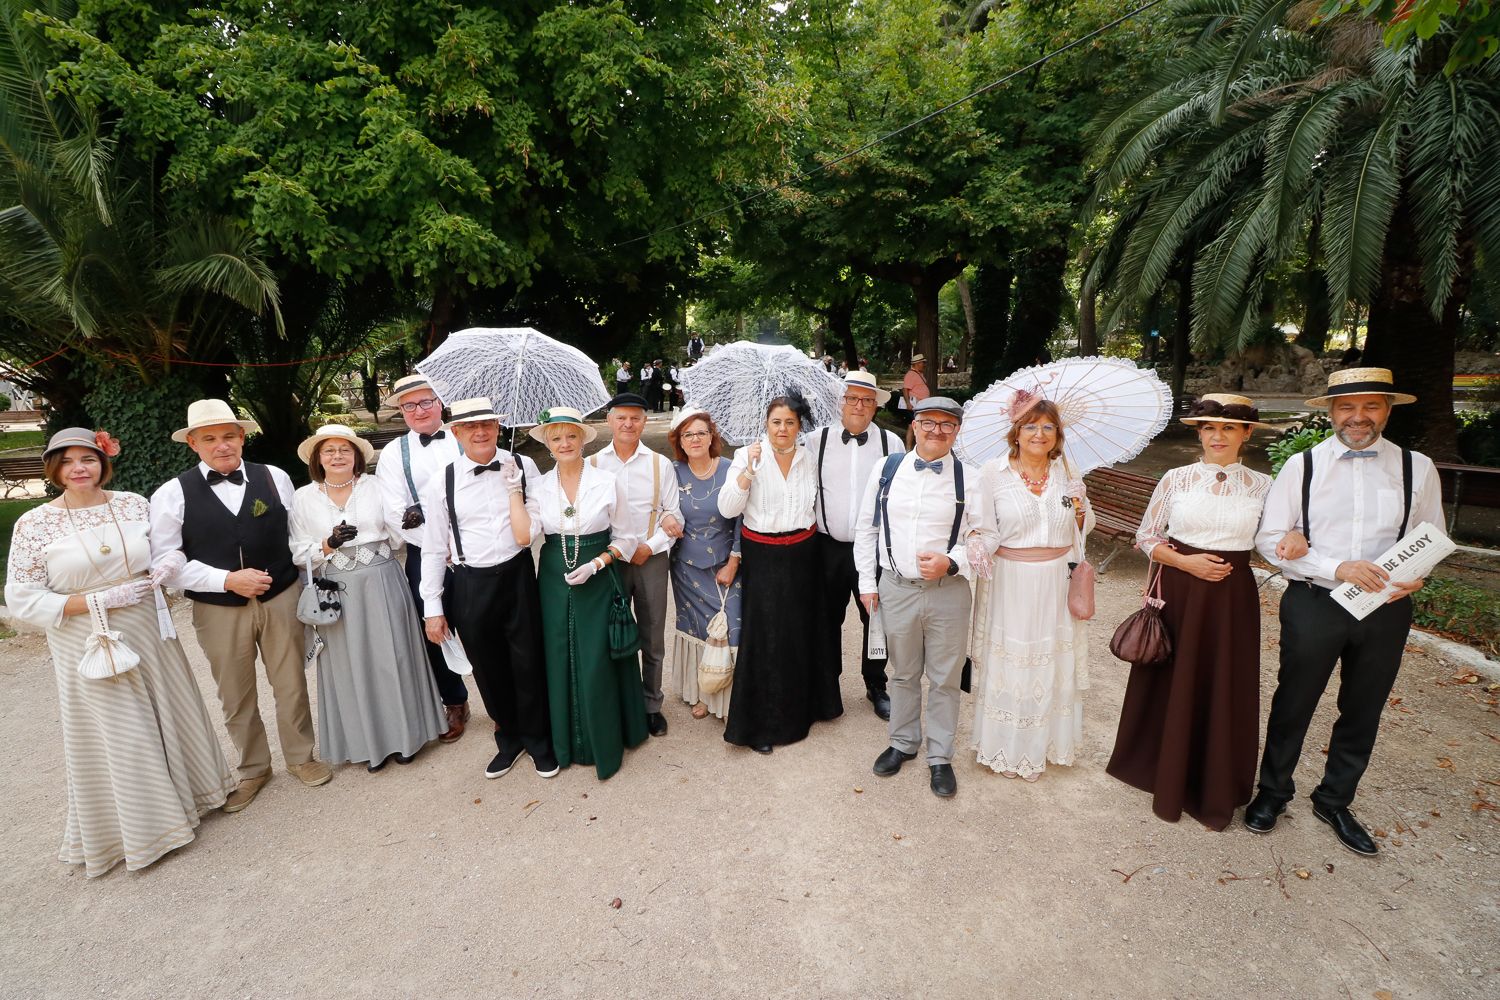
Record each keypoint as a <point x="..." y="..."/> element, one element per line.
<point x="926" y="631"/>
<point x="647" y="586"/>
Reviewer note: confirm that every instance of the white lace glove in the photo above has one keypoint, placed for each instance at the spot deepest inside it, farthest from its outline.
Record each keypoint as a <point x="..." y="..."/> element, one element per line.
<point x="125" y="594"/>
<point x="582" y="573"/>
<point x="979" y="557"/>
<point x="168" y="567"/>
<point x="1074" y="489"/>
<point x="511" y="473"/>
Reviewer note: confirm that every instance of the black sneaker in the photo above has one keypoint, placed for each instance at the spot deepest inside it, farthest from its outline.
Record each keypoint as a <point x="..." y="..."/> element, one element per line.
<point x="503" y="762"/>
<point x="546" y="765"/>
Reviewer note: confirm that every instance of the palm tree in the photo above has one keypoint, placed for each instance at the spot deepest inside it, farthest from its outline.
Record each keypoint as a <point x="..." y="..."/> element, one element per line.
<point x="1271" y="126"/>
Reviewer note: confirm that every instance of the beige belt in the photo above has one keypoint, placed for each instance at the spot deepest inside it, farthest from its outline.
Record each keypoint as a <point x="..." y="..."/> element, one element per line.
<point x="1035" y="555"/>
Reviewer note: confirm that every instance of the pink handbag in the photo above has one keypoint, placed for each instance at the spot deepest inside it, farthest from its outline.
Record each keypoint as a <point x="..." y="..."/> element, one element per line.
<point x="1081" y="581"/>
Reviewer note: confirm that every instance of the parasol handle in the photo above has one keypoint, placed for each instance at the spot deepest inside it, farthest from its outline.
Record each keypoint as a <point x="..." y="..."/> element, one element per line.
<point x="516" y="389"/>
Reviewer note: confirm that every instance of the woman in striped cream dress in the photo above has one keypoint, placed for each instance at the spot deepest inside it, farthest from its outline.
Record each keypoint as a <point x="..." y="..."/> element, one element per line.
<point x="140" y="756"/>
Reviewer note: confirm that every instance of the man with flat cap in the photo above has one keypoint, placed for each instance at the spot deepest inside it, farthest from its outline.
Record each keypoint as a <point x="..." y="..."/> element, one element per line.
<point x="404" y="469"/>
<point x="911" y="549"/>
<point x="650" y="487"/>
<point x="1352" y="496"/>
<point x="846" y="458"/>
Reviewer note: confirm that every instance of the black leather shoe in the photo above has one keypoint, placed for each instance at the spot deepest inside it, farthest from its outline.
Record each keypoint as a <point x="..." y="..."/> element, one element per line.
<point x="656" y="724"/>
<point x="944" y="784"/>
<point x="762" y="748"/>
<point x="1261" y="813"/>
<point x="1348" y="829"/>
<point x="882" y="703"/>
<point x="376" y="765"/>
<point x="889" y="762"/>
<point x="402" y="758"/>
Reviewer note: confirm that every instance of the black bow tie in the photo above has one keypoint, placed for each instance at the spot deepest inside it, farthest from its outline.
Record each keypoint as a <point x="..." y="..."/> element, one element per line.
<point x="237" y="477"/>
<point x="492" y="467"/>
<point x="427" y="439"/>
<point x="861" y="437"/>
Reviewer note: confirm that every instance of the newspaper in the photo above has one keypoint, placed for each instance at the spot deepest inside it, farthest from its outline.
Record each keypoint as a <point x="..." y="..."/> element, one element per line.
<point x="453" y="653"/>
<point x="875" y="648"/>
<point x="1411" y="558"/>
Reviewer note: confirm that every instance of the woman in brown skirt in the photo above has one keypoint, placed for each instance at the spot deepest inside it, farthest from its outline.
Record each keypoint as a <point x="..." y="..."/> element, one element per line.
<point x="1189" y="727"/>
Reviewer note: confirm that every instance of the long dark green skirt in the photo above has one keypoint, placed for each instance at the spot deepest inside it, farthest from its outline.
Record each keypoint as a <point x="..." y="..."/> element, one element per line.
<point x="598" y="706"/>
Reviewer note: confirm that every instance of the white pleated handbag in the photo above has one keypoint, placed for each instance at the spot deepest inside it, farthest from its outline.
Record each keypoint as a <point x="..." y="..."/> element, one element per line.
<point x="105" y="654"/>
<point x="716" y="668"/>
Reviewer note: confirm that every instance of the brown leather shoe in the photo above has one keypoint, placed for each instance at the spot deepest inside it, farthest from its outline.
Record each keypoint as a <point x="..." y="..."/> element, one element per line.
<point x="313" y="773"/>
<point x="244" y="793"/>
<point x="457" y="716"/>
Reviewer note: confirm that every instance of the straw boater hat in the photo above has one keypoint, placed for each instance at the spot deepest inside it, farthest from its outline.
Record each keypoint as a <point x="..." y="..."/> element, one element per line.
<point x="1360" y="382"/>
<point x="560" y="415"/>
<point x="409" y="383"/>
<point x="916" y="358"/>
<point x="1224" y="408"/>
<point x="473" y="411"/>
<point x="209" y="413"/>
<point x="864" y="380"/>
<point x="328" y="432"/>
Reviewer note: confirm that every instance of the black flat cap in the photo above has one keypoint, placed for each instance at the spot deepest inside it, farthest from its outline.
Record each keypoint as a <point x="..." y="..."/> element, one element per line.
<point x="627" y="399"/>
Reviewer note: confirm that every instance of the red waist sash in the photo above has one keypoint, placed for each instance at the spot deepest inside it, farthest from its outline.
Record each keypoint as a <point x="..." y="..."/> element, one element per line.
<point x="780" y="538"/>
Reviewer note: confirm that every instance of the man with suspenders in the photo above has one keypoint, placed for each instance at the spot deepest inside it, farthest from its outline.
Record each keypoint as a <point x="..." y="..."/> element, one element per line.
<point x="480" y="520"/>
<point x="846" y="457"/>
<point x="655" y="505"/>
<point x="403" y="469"/>
<point x="911" y="550"/>
<point x="1352" y="496"/>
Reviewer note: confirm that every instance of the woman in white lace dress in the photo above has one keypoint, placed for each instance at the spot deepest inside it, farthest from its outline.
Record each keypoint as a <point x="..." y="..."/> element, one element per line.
<point x="1030" y="654"/>
<point x="140" y="757"/>
<point x="1189" y="727"/>
<point x="376" y="695"/>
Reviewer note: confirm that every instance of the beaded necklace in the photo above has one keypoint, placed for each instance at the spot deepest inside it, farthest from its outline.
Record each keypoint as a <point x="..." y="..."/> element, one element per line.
<point x="568" y="512"/>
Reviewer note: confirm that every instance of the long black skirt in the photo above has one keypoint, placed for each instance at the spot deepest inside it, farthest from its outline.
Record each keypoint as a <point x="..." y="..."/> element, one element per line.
<point x="1189" y="727"/>
<point x="787" y="674"/>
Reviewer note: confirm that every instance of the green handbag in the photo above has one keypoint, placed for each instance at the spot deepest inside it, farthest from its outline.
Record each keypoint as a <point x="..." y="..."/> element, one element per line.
<point x="624" y="633"/>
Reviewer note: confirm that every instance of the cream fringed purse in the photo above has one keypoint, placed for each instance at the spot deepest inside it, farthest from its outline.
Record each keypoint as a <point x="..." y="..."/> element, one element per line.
<point x="716" y="668"/>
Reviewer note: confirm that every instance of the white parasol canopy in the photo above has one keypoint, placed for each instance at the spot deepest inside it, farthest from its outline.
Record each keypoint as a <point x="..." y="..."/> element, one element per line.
<point x="1110" y="411"/>
<point x="523" y="371"/>
<point x="736" y="381"/>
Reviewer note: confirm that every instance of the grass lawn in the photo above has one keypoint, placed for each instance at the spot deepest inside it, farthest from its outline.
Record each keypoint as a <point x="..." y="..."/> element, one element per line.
<point x="9" y="511"/>
<point x="14" y="441"/>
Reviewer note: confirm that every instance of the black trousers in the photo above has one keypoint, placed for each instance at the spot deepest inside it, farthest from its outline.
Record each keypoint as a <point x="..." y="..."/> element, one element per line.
<point x="1316" y="633"/>
<point x="498" y="614"/>
<point x="841" y="579"/>
<point x="450" y="686"/>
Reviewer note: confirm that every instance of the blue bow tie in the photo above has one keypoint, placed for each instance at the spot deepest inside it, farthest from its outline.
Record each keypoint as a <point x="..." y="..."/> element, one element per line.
<point x="1359" y="454"/>
<point x="934" y="466"/>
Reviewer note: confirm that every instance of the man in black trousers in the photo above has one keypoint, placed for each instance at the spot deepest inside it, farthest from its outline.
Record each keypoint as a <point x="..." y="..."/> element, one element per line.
<point x="1353" y="496"/>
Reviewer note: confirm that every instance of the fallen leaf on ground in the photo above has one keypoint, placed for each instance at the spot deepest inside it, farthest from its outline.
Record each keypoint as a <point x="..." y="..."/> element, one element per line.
<point x="1436" y="812"/>
<point x="477" y="801"/>
<point x="1446" y="763"/>
<point x="895" y="836"/>
<point x="617" y="902"/>
<point x="1384" y="995"/>
<point x="1379" y="831"/>
<point x="858" y="790"/>
<point x="1303" y="874"/>
<point x="1329" y="868"/>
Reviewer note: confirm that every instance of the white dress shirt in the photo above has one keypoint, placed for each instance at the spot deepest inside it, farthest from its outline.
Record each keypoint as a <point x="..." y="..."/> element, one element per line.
<point x="775" y="502"/>
<point x="1355" y="507"/>
<point x="314" y="517"/>
<point x="846" y="471"/>
<point x="167" y="507"/>
<point x="427" y="462"/>
<point x="599" y="505"/>
<point x="920" y="506"/>
<point x="643" y="476"/>
<point x="482" y="505"/>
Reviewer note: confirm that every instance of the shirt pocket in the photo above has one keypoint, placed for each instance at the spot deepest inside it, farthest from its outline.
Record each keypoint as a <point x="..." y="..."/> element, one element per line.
<point x="1388" y="508"/>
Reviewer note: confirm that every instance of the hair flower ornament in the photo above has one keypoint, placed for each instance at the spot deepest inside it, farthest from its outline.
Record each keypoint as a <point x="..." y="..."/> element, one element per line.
<point x="544" y="416"/>
<point x="1021" y="403"/>
<point x="110" y="446"/>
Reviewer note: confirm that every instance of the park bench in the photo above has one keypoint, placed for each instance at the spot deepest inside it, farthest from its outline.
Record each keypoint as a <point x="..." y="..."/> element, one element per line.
<point x="1475" y="485"/>
<point x="20" y="416"/>
<point x="1119" y="500"/>
<point x="16" y="472"/>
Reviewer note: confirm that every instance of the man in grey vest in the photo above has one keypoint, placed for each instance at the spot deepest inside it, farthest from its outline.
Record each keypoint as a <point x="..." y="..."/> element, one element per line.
<point x="221" y="529"/>
<point x="910" y="547"/>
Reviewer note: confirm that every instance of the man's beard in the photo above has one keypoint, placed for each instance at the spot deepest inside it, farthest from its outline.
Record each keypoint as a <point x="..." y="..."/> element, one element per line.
<point x="1361" y="428"/>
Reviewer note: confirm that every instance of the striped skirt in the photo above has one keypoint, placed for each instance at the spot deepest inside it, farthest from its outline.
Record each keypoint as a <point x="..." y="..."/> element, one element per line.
<point x="140" y="755"/>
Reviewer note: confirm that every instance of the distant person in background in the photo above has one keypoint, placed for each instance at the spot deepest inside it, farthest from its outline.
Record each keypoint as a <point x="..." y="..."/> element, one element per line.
<point x="842" y="370"/>
<point x="622" y="377"/>
<point x="913" y="390"/>
<point x="653" y="389"/>
<point x="695" y="345"/>
<point x="645" y="371"/>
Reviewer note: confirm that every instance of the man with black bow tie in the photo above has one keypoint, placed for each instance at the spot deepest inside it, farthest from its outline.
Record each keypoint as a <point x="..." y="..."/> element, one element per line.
<point x="404" y="468"/>
<point x="845" y="458"/>
<point x="479" y="521"/>
<point x="221" y="528"/>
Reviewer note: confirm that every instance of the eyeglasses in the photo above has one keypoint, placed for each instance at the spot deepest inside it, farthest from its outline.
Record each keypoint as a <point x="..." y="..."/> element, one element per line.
<point x="853" y="400"/>
<point x="422" y="404"/>
<point x="941" y="426"/>
<point x="1034" y="428"/>
<point x="694" y="435"/>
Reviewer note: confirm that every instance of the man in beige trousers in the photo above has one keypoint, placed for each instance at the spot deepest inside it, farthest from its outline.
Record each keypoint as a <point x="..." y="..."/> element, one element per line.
<point x="221" y="528"/>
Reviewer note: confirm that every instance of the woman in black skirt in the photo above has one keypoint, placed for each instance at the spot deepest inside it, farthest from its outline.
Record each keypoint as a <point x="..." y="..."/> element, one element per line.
<point x="786" y="676"/>
<point x="1189" y="727"/>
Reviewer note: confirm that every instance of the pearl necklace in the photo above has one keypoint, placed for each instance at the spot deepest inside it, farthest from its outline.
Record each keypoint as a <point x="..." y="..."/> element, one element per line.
<point x="568" y="512"/>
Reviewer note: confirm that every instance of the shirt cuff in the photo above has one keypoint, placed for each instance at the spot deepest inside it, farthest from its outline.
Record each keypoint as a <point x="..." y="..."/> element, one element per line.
<point x="432" y="607"/>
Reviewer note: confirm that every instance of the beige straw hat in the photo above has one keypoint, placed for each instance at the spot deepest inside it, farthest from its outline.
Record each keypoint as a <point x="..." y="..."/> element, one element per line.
<point x="328" y="432"/>
<point x="1224" y="408"/>
<point x="1361" y="382"/>
<point x="210" y="413"/>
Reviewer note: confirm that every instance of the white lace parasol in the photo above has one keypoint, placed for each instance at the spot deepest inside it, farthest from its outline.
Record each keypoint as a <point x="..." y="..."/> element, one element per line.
<point x="1110" y="411"/>
<point x="523" y="371"/>
<point x="736" y="381"/>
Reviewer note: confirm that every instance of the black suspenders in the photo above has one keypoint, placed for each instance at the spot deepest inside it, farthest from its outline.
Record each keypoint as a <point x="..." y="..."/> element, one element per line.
<point x="1406" y="483"/>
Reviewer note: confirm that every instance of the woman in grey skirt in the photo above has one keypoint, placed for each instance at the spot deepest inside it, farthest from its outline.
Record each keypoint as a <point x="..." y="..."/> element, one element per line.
<point x="376" y="696"/>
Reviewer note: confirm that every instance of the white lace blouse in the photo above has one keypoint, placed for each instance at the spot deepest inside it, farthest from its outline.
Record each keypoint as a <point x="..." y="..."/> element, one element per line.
<point x="1206" y="506"/>
<point x="774" y="503"/>
<point x="55" y="553"/>
<point x="1017" y="518"/>
<point x="314" y="516"/>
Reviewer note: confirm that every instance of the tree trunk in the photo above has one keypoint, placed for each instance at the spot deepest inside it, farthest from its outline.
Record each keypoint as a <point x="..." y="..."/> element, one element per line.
<point x="1039" y="301"/>
<point x="926" y="288"/>
<point x="444" y="316"/>
<point x="1314" y="332"/>
<point x="1182" y="336"/>
<point x="370" y="389"/>
<point x="991" y="292"/>
<point x="1417" y="347"/>
<point x="967" y="343"/>
<point x="1088" y="336"/>
<point x="840" y="317"/>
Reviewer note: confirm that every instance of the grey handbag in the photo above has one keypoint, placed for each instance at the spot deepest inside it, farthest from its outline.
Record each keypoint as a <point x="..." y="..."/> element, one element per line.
<point x="319" y="603"/>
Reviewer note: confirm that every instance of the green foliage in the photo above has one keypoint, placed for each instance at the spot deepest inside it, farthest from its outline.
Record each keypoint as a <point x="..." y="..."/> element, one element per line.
<point x="1469" y="613"/>
<point x="22" y="440"/>
<point x="1475" y="24"/>
<point x="1294" y="441"/>
<point x="4" y="401"/>
<point x="1479" y="436"/>
<point x="143" y="417"/>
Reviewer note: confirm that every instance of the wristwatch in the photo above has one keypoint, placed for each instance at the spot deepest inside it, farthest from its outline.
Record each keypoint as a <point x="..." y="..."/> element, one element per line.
<point x="952" y="567"/>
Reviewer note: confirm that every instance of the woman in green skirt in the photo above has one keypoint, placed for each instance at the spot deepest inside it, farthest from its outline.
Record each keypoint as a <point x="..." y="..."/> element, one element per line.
<point x="598" y="705"/>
